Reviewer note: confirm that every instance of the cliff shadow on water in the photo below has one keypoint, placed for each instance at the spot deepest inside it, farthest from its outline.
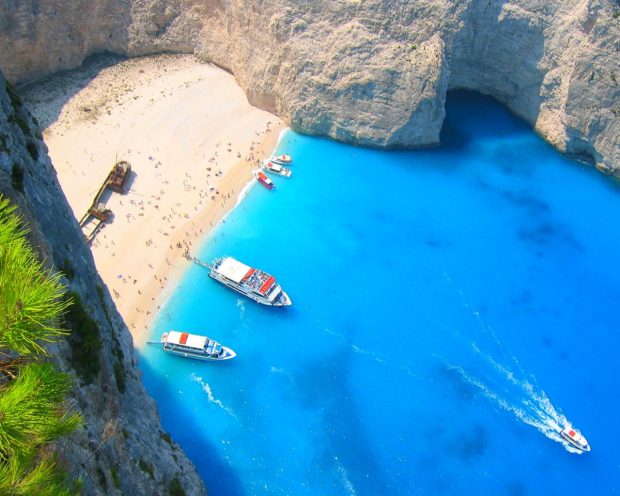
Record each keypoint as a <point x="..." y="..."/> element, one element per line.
<point x="216" y="472"/>
<point x="61" y="87"/>
<point x="472" y="116"/>
<point x="498" y="52"/>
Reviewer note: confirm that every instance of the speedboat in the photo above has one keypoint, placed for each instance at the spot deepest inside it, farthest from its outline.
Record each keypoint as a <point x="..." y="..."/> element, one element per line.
<point x="264" y="180"/>
<point x="269" y="166"/>
<point x="575" y="438"/>
<point x="195" y="346"/>
<point x="282" y="159"/>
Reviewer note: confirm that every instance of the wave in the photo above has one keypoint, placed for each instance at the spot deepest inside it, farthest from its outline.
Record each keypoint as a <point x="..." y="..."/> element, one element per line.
<point x="344" y="478"/>
<point x="384" y="361"/>
<point x="244" y="192"/>
<point x="212" y="399"/>
<point x="240" y="303"/>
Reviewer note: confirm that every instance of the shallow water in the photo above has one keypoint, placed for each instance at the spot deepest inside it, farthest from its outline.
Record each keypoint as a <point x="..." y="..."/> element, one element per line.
<point x="450" y="308"/>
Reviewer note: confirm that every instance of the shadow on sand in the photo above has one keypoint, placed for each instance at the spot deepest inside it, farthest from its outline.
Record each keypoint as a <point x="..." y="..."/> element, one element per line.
<point x="56" y="90"/>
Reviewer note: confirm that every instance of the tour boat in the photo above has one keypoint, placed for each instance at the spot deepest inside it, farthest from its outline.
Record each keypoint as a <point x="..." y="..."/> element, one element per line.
<point x="275" y="168"/>
<point x="282" y="159"/>
<point x="575" y="438"/>
<point x="253" y="283"/>
<point x="264" y="180"/>
<point x="195" y="346"/>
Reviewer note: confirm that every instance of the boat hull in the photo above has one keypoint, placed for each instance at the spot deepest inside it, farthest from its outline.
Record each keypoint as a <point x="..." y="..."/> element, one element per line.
<point x="227" y="355"/>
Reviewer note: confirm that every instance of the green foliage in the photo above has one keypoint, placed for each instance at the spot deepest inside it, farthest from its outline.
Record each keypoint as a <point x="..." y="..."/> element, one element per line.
<point x="30" y="406"/>
<point x="3" y="140"/>
<point x="119" y="376"/>
<point x="84" y="340"/>
<point x="103" y="482"/>
<point x="12" y="91"/>
<point x="29" y="294"/>
<point x="146" y="467"/>
<point x="166" y="437"/>
<point x="119" y="371"/>
<point x="67" y="269"/>
<point x="21" y="123"/>
<point x="175" y="488"/>
<point x="17" y="177"/>
<point x="32" y="394"/>
<point x="35" y="474"/>
<point x="115" y="478"/>
<point x="33" y="150"/>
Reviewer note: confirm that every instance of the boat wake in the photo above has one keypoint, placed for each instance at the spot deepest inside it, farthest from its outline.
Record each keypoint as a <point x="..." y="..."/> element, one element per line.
<point x="344" y="478"/>
<point x="212" y="399"/>
<point x="529" y="406"/>
<point x="499" y="376"/>
<point x="384" y="360"/>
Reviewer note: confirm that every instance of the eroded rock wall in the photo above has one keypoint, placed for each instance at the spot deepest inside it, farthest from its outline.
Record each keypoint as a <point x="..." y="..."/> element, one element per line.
<point x="122" y="449"/>
<point x="364" y="71"/>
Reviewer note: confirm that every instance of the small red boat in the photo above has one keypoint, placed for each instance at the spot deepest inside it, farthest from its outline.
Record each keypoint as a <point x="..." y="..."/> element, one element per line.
<point x="264" y="180"/>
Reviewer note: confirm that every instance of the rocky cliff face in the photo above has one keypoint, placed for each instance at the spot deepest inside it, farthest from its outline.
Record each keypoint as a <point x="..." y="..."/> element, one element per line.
<point x="364" y="71"/>
<point x="122" y="449"/>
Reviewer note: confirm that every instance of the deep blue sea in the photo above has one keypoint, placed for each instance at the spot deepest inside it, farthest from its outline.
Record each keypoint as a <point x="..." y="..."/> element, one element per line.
<point x="450" y="308"/>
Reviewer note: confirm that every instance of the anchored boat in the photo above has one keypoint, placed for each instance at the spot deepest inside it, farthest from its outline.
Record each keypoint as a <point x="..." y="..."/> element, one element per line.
<point x="269" y="166"/>
<point x="282" y="159"/>
<point x="575" y="438"/>
<point x="253" y="283"/>
<point x="195" y="346"/>
<point x="264" y="180"/>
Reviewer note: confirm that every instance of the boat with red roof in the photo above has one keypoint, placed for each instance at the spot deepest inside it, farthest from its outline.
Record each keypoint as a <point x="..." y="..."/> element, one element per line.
<point x="575" y="438"/>
<point x="195" y="346"/>
<point x="253" y="283"/>
<point x="264" y="180"/>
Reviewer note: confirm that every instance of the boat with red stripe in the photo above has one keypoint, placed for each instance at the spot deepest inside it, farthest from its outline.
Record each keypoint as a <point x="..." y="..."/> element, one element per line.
<point x="195" y="346"/>
<point x="253" y="283"/>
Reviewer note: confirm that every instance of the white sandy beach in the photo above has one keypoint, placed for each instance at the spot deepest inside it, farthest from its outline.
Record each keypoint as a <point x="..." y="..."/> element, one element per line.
<point x="192" y="140"/>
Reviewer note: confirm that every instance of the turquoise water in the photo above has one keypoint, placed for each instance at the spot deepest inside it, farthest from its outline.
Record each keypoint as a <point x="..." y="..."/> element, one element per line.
<point x="450" y="307"/>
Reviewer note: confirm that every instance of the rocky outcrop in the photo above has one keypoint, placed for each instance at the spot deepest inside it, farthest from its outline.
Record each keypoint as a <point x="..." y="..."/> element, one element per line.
<point x="122" y="449"/>
<point x="363" y="71"/>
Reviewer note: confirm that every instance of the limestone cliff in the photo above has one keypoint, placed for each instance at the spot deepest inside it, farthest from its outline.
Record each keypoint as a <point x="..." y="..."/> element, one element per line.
<point x="122" y="449"/>
<point x="364" y="71"/>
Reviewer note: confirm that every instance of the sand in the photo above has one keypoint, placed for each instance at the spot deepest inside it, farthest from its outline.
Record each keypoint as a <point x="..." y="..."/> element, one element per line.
<point x="192" y="140"/>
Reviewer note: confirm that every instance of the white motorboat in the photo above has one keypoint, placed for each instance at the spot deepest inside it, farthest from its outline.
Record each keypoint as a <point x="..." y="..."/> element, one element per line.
<point x="270" y="166"/>
<point x="575" y="438"/>
<point x="195" y="346"/>
<point x="282" y="159"/>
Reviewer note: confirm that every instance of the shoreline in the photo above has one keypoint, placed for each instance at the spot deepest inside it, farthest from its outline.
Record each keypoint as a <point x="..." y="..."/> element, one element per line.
<point x="240" y="178"/>
<point x="192" y="140"/>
